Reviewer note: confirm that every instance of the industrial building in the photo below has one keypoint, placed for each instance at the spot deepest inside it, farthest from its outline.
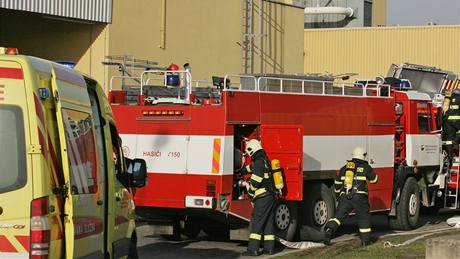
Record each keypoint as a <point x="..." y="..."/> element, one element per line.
<point x="223" y="36"/>
<point x="368" y="52"/>
<point x="214" y="36"/>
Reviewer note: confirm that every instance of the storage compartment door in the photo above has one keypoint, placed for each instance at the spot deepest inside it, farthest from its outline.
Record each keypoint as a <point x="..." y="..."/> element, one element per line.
<point x="284" y="142"/>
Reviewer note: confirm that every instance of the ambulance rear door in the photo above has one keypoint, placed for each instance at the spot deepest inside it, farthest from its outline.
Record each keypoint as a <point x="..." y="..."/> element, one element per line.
<point x="15" y="161"/>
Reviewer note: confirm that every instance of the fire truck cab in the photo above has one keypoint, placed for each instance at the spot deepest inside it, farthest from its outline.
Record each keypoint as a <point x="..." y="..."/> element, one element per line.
<point x="192" y="139"/>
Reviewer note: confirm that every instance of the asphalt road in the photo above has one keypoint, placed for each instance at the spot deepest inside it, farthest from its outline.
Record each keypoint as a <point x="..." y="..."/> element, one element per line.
<point x="150" y="246"/>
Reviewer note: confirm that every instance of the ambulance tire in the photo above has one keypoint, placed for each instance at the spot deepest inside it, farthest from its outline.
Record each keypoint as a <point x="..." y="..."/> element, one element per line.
<point x="132" y="254"/>
<point x="316" y="209"/>
<point x="408" y="209"/>
<point x="286" y="219"/>
<point x="192" y="228"/>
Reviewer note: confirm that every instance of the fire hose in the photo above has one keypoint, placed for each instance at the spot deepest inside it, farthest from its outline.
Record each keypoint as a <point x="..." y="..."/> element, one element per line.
<point x="453" y="222"/>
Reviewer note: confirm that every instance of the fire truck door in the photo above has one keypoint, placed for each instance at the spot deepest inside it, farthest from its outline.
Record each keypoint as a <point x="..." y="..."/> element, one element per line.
<point x="284" y="142"/>
<point x="423" y="144"/>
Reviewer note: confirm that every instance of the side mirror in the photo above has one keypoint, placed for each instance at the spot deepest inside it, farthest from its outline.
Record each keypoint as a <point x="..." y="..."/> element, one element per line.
<point x="138" y="169"/>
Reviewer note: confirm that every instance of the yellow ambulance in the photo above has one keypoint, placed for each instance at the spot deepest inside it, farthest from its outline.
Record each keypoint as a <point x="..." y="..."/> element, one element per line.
<point x="65" y="188"/>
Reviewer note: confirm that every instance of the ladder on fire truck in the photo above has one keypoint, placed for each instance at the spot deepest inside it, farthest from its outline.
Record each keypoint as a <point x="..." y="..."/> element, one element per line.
<point x="130" y="69"/>
<point x="452" y="185"/>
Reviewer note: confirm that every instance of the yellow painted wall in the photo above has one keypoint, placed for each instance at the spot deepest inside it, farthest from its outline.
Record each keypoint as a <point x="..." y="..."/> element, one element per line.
<point x="205" y="33"/>
<point x="370" y="51"/>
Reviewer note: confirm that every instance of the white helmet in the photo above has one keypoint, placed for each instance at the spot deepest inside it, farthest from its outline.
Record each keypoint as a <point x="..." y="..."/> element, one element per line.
<point x="359" y="153"/>
<point x="252" y="146"/>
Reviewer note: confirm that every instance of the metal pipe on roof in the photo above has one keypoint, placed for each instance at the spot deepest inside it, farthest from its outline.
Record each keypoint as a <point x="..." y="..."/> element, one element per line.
<point x="163" y="25"/>
<point x="347" y="11"/>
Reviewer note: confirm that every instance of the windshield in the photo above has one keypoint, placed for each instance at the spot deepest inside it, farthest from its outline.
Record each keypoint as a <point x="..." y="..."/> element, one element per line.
<point x="12" y="149"/>
<point x="428" y="82"/>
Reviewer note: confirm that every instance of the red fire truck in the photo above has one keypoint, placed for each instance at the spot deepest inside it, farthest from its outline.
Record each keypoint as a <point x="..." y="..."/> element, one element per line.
<point x="191" y="138"/>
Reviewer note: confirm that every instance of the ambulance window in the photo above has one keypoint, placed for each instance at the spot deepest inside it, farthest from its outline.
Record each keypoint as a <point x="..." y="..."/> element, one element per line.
<point x="117" y="153"/>
<point x="81" y="151"/>
<point x="13" y="159"/>
<point x="100" y="141"/>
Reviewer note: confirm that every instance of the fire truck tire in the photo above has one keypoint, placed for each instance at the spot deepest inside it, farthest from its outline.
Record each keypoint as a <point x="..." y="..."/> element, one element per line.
<point x="408" y="209"/>
<point x="317" y="208"/>
<point x="286" y="218"/>
<point x="132" y="254"/>
<point x="192" y="228"/>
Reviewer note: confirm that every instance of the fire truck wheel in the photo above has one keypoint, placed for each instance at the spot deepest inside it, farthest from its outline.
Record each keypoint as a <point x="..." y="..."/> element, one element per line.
<point x="286" y="215"/>
<point x="408" y="209"/>
<point x="192" y="228"/>
<point x="316" y="209"/>
<point x="132" y="254"/>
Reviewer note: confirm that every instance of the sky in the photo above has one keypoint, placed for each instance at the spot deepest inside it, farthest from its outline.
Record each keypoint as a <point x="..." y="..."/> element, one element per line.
<point x="420" y="12"/>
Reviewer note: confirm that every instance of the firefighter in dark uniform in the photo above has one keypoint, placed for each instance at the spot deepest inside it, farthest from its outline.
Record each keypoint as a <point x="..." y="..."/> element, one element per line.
<point x="261" y="191"/>
<point x="351" y="187"/>
<point x="451" y="108"/>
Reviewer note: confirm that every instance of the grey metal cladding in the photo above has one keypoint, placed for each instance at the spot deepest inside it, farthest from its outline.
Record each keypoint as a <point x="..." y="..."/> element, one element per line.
<point x="90" y="10"/>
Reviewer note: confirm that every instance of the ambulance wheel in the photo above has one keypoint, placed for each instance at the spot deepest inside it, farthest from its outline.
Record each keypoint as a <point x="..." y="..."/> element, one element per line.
<point x="286" y="217"/>
<point x="316" y="209"/>
<point x="408" y="209"/>
<point x="132" y="254"/>
<point x="192" y="227"/>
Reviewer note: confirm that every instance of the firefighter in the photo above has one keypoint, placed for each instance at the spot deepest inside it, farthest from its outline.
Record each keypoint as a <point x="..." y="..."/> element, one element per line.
<point x="451" y="121"/>
<point x="261" y="190"/>
<point x="351" y="188"/>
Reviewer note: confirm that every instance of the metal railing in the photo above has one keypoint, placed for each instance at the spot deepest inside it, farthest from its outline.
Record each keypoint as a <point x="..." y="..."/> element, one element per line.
<point x="185" y="81"/>
<point x="303" y="86"/>
<point x="134" y="78"/>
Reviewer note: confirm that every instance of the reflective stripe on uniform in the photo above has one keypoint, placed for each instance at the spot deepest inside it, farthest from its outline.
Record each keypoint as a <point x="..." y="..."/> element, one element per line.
<point x="269" y="237"/>
<point x="260" y="191"/>
<point x="453" y="107"/>
<point x="365" y="230"/>
<point x="448" y="142"/>
<point x="338" y="182"/>
<point x="375" y="180"/>
<point x="454" y="117"/>
<point x="256" y="178"/>
<point x="255" y="236"/>
<point x="336" y="221"/>
<point x="361" y="178"/>
<point x="361" y="192"/>
<point x="266" y="175"/>
<point x="342" y="178"/>
<point x="253" y="188"/>
<point x="337" y="190"/>
<point x="248" y="168"/>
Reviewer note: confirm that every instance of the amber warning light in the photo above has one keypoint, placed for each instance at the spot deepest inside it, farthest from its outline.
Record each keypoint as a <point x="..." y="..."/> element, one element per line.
<point x="9" y="51"/>
<point x="163" y="113"/>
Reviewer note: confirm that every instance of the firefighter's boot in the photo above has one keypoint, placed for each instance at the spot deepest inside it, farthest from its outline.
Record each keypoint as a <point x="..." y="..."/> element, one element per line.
<point x="328" y="232"/>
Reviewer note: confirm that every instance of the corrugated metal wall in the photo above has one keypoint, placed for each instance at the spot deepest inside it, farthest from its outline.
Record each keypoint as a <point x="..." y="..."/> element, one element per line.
<point x="370" y="51"/>
<point x="91" y="10"/>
